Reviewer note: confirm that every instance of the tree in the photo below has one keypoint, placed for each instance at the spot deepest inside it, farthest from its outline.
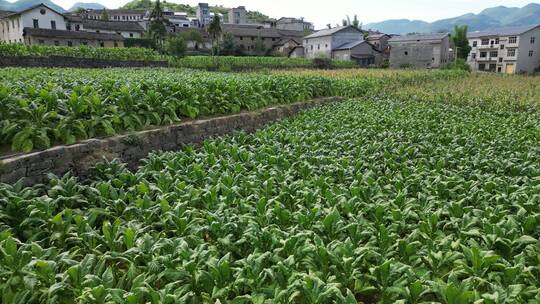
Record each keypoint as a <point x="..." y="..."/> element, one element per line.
<point x="461" y="43"/>
<point x="355" y="22"/>
<point x="215" y="32"/>
<point x="229" y="45"/>
<point x="192" y="36"/>
<point x="259" y="47"/>
<point x="158" y="26"/>
<point x="176" y="46"/>
<point x="105" y="15"/>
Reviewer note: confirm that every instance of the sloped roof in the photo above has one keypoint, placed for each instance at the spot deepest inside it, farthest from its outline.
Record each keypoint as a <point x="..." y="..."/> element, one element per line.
<point x="329" y="32"/>
<point x="118" y="11"/>
<point x="113" y="25"/>
<point x="350" y="45"/>
<point x="31" y="8"/>
<point x="377" y="36"/>
<point x="5" y="13"/>
<point x="419" y="37"/>
<point x="285" y="40"/>
<point x="255" y="31"/>
<point x="506" y="31"/>
<point x="70" y="34"/>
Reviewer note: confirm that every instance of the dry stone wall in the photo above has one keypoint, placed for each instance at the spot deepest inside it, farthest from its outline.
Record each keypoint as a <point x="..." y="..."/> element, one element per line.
<point x="79" y="159"/>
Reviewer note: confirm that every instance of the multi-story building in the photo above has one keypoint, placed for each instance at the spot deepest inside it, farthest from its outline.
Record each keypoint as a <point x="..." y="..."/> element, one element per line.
<point x="116" y="14"/>
<point x="507" y="50"/>
<point x="246" y="36"/>
<point x="43" y="25"/>
<point x="324" y="42"/>
<point x="420" y="51"/>
<point x="294" y="24"/>
<point x="238" y="15"/>
<point x="203" y="14"/>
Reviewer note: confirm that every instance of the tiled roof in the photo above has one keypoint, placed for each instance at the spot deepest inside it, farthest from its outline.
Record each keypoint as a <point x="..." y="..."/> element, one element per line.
<point x="28" y="9"/>
<point x="71" y="34"/>
<point x="329" y="32"/>
<point x="350" y="45"/>
<point x="118" y="11"/>
<point x="419" y="37"/>
<point x="113" y="25"/>
<point x="503" y="31"/>
<point x="255" y="31"/>
<point x="5" y="13"/>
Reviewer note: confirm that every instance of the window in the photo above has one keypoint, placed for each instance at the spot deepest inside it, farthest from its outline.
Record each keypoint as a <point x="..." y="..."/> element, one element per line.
<point x="42" y="11"/>
<point x="312" y="47"/>
<point x="41" y="41"/>
<point x="70" y="43"/>
<point x="499" y="69"/>
<point x="492" y="67"/>
<point x="511" y="52"/>
<point x="36" y="23"/>
<point x="68" y="27"/>
<point x="502" y="46"/>
<point x="496" y="40"/>
<point x="500" y="59"/>
<point x="406" y="53"/>
<point x="531" y="53"/>
<point x="53" y="24"/>
<point x="512" y="39"/>
<point x="326" y="45"/>
<point x="483" y="54"/>
<point x="533" y="40"/>
<point x="485" y="41"/>
<point x="252" y="38"/>
<point x="481" y="67"/>
<point x="318" y="46"/>
<point x="84" y="43"/>
<point x="273" y="39"/>
<point x="493" y="54"/>
<point x="473" y="55"/>
<point x="475" y="43"/>
<point x="115" y="44"/>
<point x="102" y="44"/>
<point x="97" y="31"/>
<point x="56" y="42"/>
<point x="77" y="27"/>
<point x="130" y="35"/>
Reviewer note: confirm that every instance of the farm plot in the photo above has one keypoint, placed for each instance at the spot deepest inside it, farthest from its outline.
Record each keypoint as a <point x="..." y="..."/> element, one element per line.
<point x="366" y="201"/>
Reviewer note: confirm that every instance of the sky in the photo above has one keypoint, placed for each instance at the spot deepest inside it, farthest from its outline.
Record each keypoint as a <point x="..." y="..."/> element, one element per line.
<point x="325" y="12"/>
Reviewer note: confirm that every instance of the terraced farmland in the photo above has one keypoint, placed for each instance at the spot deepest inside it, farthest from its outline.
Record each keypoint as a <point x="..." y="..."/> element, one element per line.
<point x="372" y="200"/>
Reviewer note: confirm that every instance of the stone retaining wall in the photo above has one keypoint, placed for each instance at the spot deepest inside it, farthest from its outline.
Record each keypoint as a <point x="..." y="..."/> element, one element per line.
<point x="72" y="62"/>
<point x="81" y="158"/>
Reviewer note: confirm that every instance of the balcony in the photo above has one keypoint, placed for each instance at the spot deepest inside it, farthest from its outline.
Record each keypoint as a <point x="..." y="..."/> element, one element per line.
<point x="488" y="46"/>
<point x="486" y="59"/>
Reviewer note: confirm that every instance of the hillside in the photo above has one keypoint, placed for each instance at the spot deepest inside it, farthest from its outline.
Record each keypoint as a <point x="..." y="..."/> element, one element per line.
<point x="191" y="10"/>
<point x="84" y="5"/>
<point x="23" y="4"/>
<point x="489" y="18"/>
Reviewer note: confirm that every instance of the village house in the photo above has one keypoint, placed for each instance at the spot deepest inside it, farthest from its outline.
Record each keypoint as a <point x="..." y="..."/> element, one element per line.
<point x="43" y="25"/>
<point x="420" y="51"/>
<point x="294" y="24"/>
<point x="238" y="15"/>
<point x="286" y="45"/>
<point x="247" y="35"/>
<point x="343" y="43"/>
<point x="506" y="50"/>
<point x="119" y="15"/>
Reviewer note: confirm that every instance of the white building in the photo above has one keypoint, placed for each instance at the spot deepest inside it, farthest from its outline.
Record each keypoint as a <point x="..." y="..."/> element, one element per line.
<point x="38" y="16"/>
<point x="507" y="50"/>
<point x="324" y="42"/>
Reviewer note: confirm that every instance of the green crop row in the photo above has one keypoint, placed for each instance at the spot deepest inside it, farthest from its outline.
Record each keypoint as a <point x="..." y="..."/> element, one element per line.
<point x="43" y="107"/>
<point x="232" y="63"/>
<point x="135" y="54"/>
<point x="371" y="201"/>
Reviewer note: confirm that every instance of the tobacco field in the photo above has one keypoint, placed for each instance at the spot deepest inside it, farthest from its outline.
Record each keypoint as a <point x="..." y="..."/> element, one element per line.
<point x="372" y="200"/>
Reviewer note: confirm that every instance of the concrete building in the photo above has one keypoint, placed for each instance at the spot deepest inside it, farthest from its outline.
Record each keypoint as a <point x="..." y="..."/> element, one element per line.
<point x="294" y="24"/>
<point x="420" y="51"/>
<point x="362" y="51"/>
<point x="238" y="15"/>
<point x="506" y="50"/>
<point x="39" y="17"/>
<point x="43" y="25"/>
<point x="324" y="42"/>
<point x="203" y="14"/>
<point x="116" y="14"/>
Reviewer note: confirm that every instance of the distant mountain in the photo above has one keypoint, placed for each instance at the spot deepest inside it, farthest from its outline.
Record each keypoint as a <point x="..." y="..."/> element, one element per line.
<point x="24" y="4"/>
<point x="489" y="18"/>
<point x="94" y="6"/>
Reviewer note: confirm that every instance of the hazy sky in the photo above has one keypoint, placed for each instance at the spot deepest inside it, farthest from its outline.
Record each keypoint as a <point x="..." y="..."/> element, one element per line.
<point x="324" y="12"/>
